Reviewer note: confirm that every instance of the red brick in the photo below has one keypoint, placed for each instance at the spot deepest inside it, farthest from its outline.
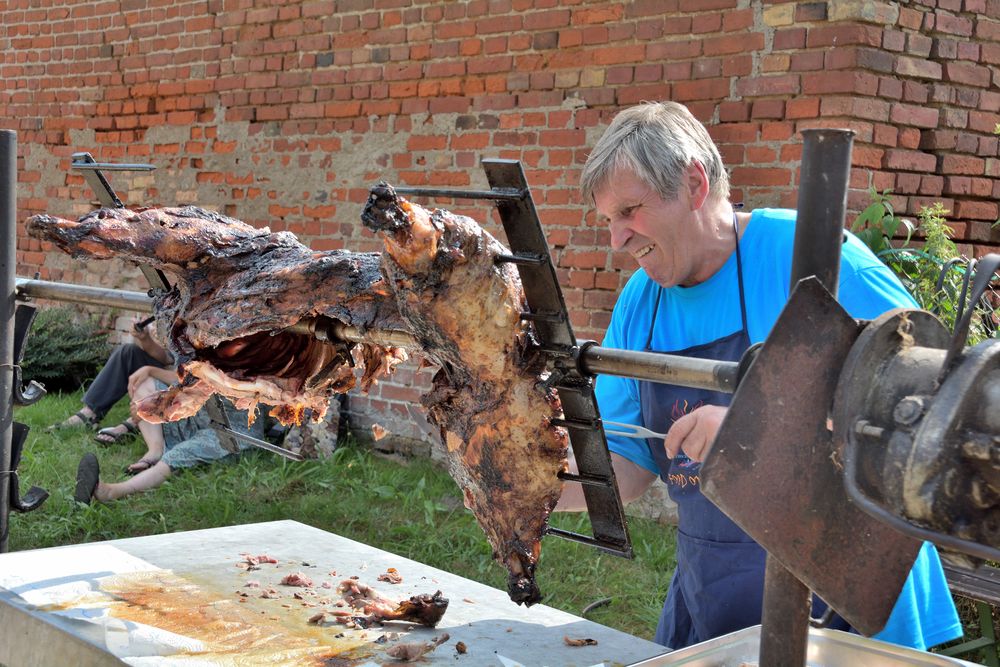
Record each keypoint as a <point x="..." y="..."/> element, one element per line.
<point x="781" y="84"/>
<point x="733" y="111"/>
<point x="843" y="34"/>
<point x="789" y="38"/>
<point x="919" y="116"/>
<point x="636" y="94"/>
<point x="761" y="176"/>
<point x="963" y="164"/>
<point x="733" y="44"/>
<point x="908" y="160"/>
<point x="976" y="210"/>
<point x="918" y="67"/>
<point x="704" y="89"/>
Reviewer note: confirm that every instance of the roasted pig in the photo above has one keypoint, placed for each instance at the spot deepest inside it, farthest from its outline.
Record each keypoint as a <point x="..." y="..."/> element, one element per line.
<point x="237" y="290"/>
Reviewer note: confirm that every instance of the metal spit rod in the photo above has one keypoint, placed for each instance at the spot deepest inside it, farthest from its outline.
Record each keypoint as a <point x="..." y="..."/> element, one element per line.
<point x="655" y="367"/>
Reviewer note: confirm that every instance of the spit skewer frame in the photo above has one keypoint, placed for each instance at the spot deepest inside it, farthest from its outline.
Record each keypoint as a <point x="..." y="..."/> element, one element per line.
<point x="93" y="173"/>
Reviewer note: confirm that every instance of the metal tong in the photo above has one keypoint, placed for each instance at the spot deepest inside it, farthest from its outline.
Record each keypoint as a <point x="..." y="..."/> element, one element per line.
<point x="630" y="430"/>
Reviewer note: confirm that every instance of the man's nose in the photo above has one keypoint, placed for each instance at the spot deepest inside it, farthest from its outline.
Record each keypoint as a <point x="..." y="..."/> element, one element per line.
<point x="620" y="234"/>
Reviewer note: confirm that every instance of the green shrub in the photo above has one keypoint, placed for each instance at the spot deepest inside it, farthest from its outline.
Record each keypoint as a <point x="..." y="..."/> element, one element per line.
<point x="64" y="349"/>
<point x="934" y="271"/>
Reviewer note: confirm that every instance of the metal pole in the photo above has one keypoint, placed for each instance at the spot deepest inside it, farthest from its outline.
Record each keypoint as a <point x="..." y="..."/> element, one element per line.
<point x="819" y="233"/>
<point x="596" y="360"/>
<point x="8" y="242"/>
<point x="94" y="296"/>
<point x="665" y="368"/>
<point x="819" y="229"/>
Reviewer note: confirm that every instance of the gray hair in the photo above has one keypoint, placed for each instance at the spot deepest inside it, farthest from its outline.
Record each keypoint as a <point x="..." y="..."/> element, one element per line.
<point x="657" y="141"/>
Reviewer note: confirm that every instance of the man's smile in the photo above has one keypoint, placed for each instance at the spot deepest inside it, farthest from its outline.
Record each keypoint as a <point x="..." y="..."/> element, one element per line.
<point x="643" y="251"/>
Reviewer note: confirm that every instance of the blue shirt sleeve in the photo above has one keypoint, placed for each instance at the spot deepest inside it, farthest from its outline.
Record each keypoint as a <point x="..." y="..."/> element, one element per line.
<point x="618" y="397"/>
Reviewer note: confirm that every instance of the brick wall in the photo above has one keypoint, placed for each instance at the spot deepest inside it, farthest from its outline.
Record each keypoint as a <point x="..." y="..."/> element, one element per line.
<point x="283" y="115"/>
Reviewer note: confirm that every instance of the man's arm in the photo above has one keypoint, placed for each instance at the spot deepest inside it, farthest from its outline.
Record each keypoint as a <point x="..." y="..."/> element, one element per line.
<point x="633" y="480"/>
<point x="144" y="339"/>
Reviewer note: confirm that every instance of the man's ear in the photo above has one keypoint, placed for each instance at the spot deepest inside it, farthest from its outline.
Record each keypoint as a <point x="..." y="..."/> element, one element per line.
<point x="698" y="186"/>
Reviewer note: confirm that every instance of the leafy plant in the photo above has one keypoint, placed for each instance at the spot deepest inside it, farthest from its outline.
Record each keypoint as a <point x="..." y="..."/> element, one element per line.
<point x="935" y="272"/>
<point x="64" y="349"/>
<point x="878" y="224"/>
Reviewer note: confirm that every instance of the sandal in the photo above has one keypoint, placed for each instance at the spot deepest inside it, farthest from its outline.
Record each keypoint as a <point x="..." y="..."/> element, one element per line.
<point x="88" y="473"/>
<point x="111" y="435"/>
<point x="82" y="420"/>
<point x="141" y="465"/>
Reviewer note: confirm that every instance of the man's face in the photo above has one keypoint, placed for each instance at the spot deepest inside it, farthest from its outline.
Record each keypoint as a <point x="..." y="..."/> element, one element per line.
<point x="649" y="228"/>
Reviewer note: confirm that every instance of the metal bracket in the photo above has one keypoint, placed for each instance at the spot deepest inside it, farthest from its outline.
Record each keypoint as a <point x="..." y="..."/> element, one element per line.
<point x="547" y="311"/>
<point x="93" y="174"/>
<point x="36" y="495"/>
<point x="24" y="314"/>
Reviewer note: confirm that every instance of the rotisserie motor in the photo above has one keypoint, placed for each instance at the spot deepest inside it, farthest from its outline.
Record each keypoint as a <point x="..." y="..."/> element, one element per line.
<point x="236" y="291"/>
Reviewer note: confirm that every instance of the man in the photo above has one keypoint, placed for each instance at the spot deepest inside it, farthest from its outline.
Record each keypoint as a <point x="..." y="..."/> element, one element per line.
<point x="711" y="282"/>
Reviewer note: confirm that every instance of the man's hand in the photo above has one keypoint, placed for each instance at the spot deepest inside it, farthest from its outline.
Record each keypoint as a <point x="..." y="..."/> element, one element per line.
<point x="142" y="332"/>
<point x="694" y="432"/>
<point x="137" y="378"/>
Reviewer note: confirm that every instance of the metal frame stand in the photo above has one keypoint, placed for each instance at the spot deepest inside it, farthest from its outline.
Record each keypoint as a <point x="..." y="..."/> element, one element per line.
<point x="547" y="310"/>
<point x="8" y="246"/>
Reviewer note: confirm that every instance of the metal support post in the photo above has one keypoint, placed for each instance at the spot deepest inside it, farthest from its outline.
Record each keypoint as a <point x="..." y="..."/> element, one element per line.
<point x="819" y="233"/>
<point x="8" y="239"/>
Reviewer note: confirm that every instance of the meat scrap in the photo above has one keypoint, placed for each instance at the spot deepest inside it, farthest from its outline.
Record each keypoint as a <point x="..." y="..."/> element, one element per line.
<point x="244" y="303"/>
<point x="420" y="609"/>
<point x="410" y="651"/>
<point x="270" y="594"/>
<point x="296" y="579"/>
<point x="252" y="562"/>
<point x="391" y="576"/>
<point x="579" y="642"/>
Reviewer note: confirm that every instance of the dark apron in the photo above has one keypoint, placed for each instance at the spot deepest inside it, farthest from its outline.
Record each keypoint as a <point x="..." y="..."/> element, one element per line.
<point x="718" y="585"/>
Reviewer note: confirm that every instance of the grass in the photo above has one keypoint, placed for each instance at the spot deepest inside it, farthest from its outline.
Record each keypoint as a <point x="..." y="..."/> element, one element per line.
<point x="411" y="508"/>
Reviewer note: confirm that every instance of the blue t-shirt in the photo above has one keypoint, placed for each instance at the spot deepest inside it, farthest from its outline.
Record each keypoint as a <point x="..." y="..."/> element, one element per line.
<point x="924" y="614"/>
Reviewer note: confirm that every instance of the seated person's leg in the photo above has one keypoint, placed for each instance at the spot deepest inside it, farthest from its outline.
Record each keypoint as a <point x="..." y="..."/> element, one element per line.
<point x="110" y="385"/>
<point x="151" y="433"/>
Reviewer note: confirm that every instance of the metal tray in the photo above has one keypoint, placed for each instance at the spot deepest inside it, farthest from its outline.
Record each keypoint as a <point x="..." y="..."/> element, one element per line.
<point x="827" y="648"/>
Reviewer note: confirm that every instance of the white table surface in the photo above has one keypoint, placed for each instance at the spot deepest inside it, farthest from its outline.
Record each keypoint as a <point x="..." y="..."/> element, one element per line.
<point x="173" y="600"/>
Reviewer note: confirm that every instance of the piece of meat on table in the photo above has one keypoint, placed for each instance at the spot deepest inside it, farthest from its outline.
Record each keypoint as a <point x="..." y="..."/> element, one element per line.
<point x="236" y="290"/>
<point x="489" y="400"/>
<point x="423" y="609"/>
<point x="410" y="651"/>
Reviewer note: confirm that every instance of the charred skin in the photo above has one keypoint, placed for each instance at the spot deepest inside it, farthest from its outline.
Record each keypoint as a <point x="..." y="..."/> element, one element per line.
<point x="424" y="609"/>
<point x="493" y="412"/>
<point x="235" y="289"/>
